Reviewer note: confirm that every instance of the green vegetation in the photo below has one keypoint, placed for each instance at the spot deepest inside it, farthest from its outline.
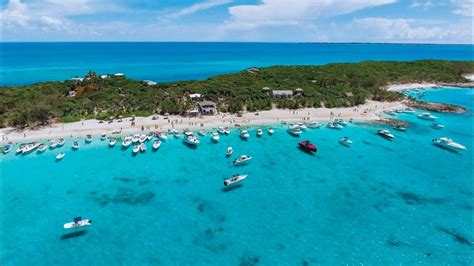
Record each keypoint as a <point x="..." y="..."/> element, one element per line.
<point x="333" y="85"/>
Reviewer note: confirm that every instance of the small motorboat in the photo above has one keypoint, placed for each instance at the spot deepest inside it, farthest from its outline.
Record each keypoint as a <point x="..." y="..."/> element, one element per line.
<point x="334" y="125"/>
<point x="307" y="145"/>
<point x="156" y="145"/>
<point x="408" y="110"/>
<point x="427" y="116"/>
<point x="149" y="136"/>
<point x="244" y="134"/>
<point x="400" y="128"/>
<point x="176" y="133"/>
<point x="215" y="136"/>
<point x="226" y="131"/>
<point x="449" y="144"/>
<point x="341" y="122"/>
<point x="88" y="139"/>
<point x="313" y="124"/>
<point x="60" y="155"/>
<point x="259" y="132"/>
<point x="302" y="126"/>
<point x="136" y="138"/>
<point x="202" y="132"/>
<point x="142" y="147"/>
<point x="142" y="138"/>
<point x="136" y="149"/>
<point x="221" y="130"/>
<point x="437" y="126"/>
<point x="30" y="147"/>
<point x="236" y="178"/>
<point x="61" y="142"/>
<point x="75" y="145"/>
<point x="190" y="138"/>
<point x="345" y="141"/>
<point x="20" y="148"/>
<point x="78" y="222"/>
<point x="42" y="148"/>
<point x="6" y="149"/>
<point x="385" y="133"/>
<point x="103" y="136"/>
<point x="295" y="130"/>
<point x="229" y="152"/>
<point x="127" y="141"/>
<point x="53" y="144"/>
<point x="270" y="131"/>
<point x="162" y="136"/>
<point x="112" y="142"/>
<point x="242" y="159"/>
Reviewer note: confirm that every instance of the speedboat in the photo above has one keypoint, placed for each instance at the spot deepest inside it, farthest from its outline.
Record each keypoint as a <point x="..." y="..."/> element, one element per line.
<point x="136" y="138"/>
<point x="42" y="148"/>
<point x="88" y="138"/>
<point x="30" y="147"/>
<point x="229" y="151"/>
<point x="156" y="145"/>
<point x="221" y="130"/>
<point x="60" y="155"/>
<point x="142" y="147"/>
<point x="341" y="122"/>
<point x="449" y="144"/>
<point x="427" y="116"/>
<point x="400" y="128"/>
<point x="270" y="131"/>
<point x="75" y="145"/>
<point x="408" y="110"/>
<point x="226" y="131"/>
<point x="242" y="159"/>
<point x="149" y="136"/>
<point x="20" y="148"/>
<point x="244" y="134"/>
<point x="136" y="148"/>
<point x="78" y="222"/>
<point x="307" y="145"/>
<point x="385" y="133"/>
<point x="190" y="138"/>
<point x="6" y="149"/>
<point x="142" y="138"/>
<point x="236" y="178"/>
<point x="259" y="132"/>
<point x="215" y="136"/>
<point x="302" y="126"/>
<point x="126" y="142"/>
<point x="112" y="142"/>
<point x="53" y="144"/>
<point x="61" y="142"/>
<point x="334" y="125"/>
<point x="103" y="136"/>
<point x="313" y="124"/>
<point x="162" y="136"/>
<point x="345" y="141"/>
<point x="437" y="126"/>
<point x="176" y="133"/>
<point x="294" y="130"/>
<point x="202" y="132"/>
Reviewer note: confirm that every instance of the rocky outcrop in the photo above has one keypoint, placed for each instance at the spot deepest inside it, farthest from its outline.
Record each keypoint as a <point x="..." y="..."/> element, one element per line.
<point x="437" y="107"/>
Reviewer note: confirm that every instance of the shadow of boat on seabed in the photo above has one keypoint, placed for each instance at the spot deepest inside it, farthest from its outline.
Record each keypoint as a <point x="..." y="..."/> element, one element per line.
<point x="73" y="234"/>
<point x="230" y="188"/>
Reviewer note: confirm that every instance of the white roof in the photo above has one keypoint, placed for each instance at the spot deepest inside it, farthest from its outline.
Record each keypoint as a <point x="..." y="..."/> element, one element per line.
<point x="195" y="95"/>
<point x="104" y="76"/>
<point x="80" y="79"/>
<point x="150" y="82"/>
<point x="119" y="74"/>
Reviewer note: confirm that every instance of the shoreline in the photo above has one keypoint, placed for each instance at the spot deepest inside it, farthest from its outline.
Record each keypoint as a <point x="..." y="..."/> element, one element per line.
<point x="370" y="111"/>
<point x="426" y="85"/>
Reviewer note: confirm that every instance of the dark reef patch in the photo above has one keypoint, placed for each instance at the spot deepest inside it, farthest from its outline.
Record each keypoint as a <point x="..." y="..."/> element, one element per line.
<point x="123" y="179"/>
<point x="249" y="260"/>
<point x="458" y="237"/>
<point x="209" y="239"/>
<point x="123" y="196"/>
<point x="394" y="243"/>
<point x="412" y="199"/>
<point x="73" y="234"/>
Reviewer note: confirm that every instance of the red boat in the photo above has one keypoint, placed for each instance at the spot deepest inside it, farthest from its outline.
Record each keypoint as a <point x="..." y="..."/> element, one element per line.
<point x="308" y="146"/>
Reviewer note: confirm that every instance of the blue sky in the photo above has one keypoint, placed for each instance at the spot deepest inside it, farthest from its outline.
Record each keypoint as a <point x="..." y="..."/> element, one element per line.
<point x="406" y="21"/>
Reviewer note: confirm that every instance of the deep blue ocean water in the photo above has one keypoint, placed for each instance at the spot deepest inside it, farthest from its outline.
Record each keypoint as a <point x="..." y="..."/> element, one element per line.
<point x="26" y="63"/>
<point x="378" y="202"/>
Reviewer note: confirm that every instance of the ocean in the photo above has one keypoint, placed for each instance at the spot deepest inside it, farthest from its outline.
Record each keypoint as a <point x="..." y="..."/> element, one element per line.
<point x="27" y="63"/>
<point x="378" y="202"/>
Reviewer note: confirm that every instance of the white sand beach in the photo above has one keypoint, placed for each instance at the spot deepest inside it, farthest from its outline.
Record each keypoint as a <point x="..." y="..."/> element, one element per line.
<point x="367" y="112"/>
<point x="410" y="86"/>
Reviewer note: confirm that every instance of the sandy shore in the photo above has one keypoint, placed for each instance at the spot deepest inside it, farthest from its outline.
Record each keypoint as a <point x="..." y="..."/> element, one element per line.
<point x="367" y="112"/>
<point x="410" y="86"/>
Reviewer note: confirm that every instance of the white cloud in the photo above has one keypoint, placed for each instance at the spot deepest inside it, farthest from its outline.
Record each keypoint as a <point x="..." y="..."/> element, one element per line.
<point x="463" y="7"/>
<point x="422" y="4"/>
<point x="15" y="14"/>
<point x="201" y="6"/>
<point x="279" y="12"/>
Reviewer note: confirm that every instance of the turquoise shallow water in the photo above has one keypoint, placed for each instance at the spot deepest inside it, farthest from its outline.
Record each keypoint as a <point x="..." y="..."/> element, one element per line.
<point x="378" y="202"/>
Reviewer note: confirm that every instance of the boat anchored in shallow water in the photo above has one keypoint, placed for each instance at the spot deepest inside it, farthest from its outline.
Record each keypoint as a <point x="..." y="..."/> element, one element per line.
<point x="244" y="134"/>
<point x="136" y="149"/>
<point x="230" y="151"/>
<point x="142" y="147"/>
<point x="400" y="128"/>
<point x="385" y="133"/>
<point x="156" y="145"/>
<point x="308" y="146"/>
<point x="313" y="124"/>
<point x="270" y="131"/>
<point x="449" y="144"/>
<point x="75" y="145"/>
<point x="236" y="178"/>
<point x="295" y="130"/>
<point x="127" y="141"/>
<point x="334" y="125"/>
<point x="436" y="126"/>
<point x="190" y="138"/>
<point x="162" y="136"/>
<point x="42" y="148"/>
<point x="242" y="159"/>
<point x="6" y="148"/>
<point x="202" y="132"/>
<point x="112" y="142"/>
<point x="30" y="147"/>
<point x="345" y="141"/>
<point x="259" y="132"/>
<point x="78" y="222"/>
<point x="88" y="139"/>
<point x="215" y="136"/>
<point x="60" y="155"/>
<point x="427" y="116"/>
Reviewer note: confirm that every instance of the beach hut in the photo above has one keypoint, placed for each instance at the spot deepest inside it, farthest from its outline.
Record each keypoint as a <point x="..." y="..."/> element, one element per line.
<point x="207" y="108"/>
<point x="281" y="94"/>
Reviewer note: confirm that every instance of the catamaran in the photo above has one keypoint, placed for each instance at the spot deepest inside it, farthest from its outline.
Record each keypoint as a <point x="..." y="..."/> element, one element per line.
<point x="78" y="222"/>
<point x="427" y="116"/>
<point x="236" y="178"/>
<point x="385" y="133"/>
<point x="242" y="159"/>
<point x="449" y="144"/>
<point x="244" y="134"/>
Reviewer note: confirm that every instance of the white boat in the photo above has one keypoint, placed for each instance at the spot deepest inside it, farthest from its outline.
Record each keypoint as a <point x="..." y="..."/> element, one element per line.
<point x="30" y="147"/>
<point x="136" y="149"/>
<point x="112" y="142"/>
<point x="221" y="130"/>
<point x="142" y="147"/>
<point x="242" y="159"/>
<point x="53" y="144"/>
<point x="149" y="136"/>
<point x="437" y="126"/>
<point x="244" y="134"/>
<point x="385" y="133"/>
<point x="334" y="125"/>
<point x="313" y="124"/>
<point x="190" y="138"/>
<point x="259" y="132"/>
<point x="6" y="149"/>
<point x="61" y="142"/>
<point x="302" y="126"/>
<point x="294" y="130"/>
<point x="142" y="138"/>
<point x="42" y="148"/>
<point x="60" y="155"/>
<point x="156" y="144"/>
<point x="136" y="138"/>
<point x="449" y="144"/>
<point x="20" y="148"/>
<point x="176" y="133"/>
<point x="75" y="145"/>
<point x="230" y="150"/>
<point x="202" y="132"/>
<point x="234" y="179"/>
<point x="215" y="136"/>
<point x="226" y="131"/>
<point x="400" y="128"/>
<point x="392" y="113"/>
<point x="103" y="136"/>
<point x="88" y="139"/>
<point x="341" y="122"/>
<point x="427" y="116"/>
<point x="345" y="141"/>
<point x="408" y="110"/>
<point x="162" y="136"/>
<point x="78" y="222"/>
<point x="126" y="142"/>
<point x="270" y="131"/>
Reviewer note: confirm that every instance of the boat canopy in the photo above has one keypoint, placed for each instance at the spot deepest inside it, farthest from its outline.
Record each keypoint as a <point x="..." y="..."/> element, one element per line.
<point x="77" y="219"/>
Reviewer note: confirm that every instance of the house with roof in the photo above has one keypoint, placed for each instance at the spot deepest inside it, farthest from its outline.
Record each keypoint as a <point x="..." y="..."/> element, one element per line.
<point x="282" y="94"/>
<point x="207" y="108"/>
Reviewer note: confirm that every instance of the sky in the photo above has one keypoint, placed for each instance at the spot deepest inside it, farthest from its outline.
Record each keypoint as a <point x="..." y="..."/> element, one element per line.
<point x="387" y="21"/>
